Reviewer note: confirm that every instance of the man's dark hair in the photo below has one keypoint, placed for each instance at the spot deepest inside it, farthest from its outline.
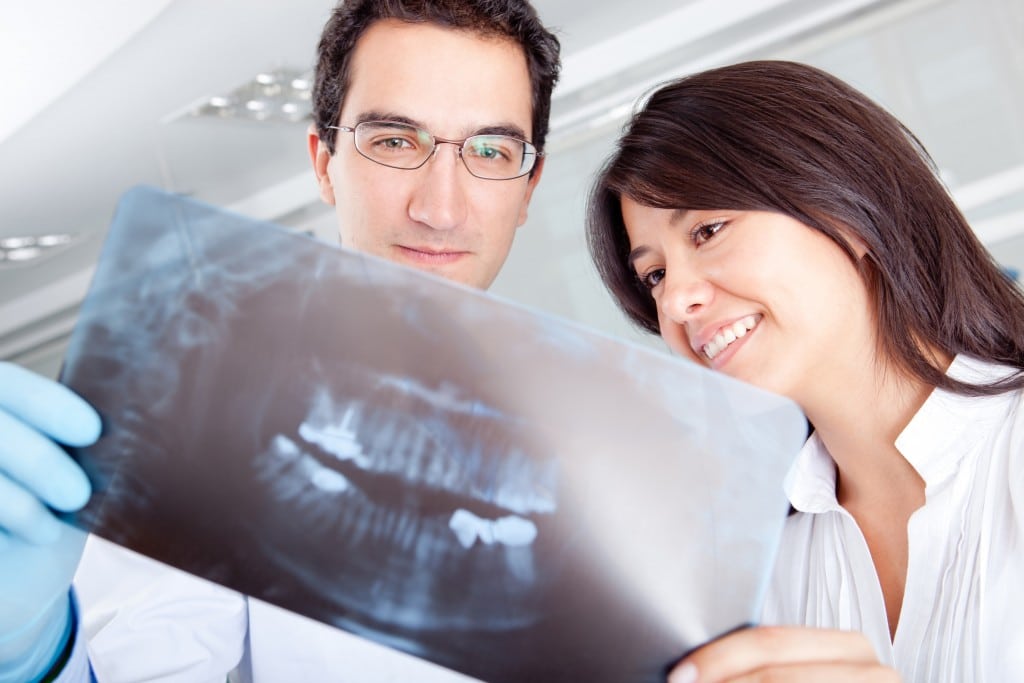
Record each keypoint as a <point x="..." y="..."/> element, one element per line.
<point x="515" y="20"/>
<point x="789" y="138"/>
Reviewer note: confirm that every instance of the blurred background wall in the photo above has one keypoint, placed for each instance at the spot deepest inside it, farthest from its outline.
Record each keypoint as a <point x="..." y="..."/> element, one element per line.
<point x="108" y="94"/>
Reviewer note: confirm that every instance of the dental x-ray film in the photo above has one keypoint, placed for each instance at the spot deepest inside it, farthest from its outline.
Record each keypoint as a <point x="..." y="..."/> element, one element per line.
<point x="482" y="485"/>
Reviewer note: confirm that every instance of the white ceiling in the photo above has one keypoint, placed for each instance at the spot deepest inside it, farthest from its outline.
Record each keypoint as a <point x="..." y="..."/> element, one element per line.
<point x="48" y="68"/>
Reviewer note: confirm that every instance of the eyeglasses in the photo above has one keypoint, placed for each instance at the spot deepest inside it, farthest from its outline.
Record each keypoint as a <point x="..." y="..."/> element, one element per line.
<point x="399" y="145"/>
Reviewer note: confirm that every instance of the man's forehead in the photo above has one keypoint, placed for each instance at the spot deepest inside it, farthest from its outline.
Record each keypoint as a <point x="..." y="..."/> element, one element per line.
<point x="452" y="82"/>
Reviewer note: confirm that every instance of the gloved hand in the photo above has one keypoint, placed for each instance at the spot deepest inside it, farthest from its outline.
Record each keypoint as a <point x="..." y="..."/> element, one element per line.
<point x="38" y="553"/>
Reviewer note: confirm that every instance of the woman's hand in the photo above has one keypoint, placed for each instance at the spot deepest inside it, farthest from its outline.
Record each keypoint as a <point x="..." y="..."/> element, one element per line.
<point x="784" y="653"/>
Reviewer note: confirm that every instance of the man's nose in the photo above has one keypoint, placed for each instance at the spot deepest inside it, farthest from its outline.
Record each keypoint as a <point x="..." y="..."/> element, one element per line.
<point x="439" y="200"/>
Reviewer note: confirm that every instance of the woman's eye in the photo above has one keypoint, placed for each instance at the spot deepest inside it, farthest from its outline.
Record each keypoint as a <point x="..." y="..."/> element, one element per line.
<point x="703" y="233"/>
<point x="651" y="278"/>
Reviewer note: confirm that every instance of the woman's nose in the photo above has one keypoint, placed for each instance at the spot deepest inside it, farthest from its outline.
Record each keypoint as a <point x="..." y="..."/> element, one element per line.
<point x="686" y="294"/>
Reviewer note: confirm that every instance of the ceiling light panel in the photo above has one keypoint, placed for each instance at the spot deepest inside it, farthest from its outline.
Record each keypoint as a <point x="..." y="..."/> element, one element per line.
<point x="21" y="250"/>
<point x="280" y="96"/>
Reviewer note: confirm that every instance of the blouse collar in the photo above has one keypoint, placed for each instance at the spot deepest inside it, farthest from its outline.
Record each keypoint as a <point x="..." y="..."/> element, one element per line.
<point x="934" y="442"/>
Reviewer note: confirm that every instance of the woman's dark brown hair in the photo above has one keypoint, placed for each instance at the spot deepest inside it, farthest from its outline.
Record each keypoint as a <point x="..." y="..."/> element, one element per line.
<point x="789" y="138"/>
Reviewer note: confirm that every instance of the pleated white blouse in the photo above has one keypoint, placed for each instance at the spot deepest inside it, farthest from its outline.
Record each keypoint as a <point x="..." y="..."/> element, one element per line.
<point x="963" y="610"/>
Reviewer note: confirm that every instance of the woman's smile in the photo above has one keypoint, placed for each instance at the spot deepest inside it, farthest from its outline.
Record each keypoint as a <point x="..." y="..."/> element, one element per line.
<point x="728" y="335"/>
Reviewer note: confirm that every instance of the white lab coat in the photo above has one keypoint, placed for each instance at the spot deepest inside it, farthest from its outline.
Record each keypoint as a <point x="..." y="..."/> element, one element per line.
<point x="144" y="621"/>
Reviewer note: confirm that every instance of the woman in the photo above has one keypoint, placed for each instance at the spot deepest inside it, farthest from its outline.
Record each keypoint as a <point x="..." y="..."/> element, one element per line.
<point x="772" y="223"/>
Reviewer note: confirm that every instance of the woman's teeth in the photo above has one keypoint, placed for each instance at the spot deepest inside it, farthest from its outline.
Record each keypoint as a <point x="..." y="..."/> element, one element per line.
<point x="727" y="335"/>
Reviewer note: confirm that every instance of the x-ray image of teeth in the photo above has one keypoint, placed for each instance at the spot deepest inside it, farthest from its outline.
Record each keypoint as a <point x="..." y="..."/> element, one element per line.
<point x="481" y="485"/>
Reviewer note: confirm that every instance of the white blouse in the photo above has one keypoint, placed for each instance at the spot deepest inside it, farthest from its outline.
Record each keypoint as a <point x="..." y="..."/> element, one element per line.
<point x="963" y="609"/>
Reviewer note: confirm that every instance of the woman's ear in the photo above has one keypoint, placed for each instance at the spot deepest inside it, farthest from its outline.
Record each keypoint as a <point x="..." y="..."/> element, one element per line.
<point x="849" y="236"/>
<point x="857" y="245"/>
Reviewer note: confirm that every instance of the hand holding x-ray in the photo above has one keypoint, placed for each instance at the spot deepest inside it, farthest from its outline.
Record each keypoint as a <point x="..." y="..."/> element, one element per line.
<point x="38" y="553"/>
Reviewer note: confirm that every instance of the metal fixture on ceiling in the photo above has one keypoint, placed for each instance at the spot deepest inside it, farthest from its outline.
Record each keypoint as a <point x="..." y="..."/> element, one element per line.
<point x="24" y="249"/>
<point x="278" y="96"/>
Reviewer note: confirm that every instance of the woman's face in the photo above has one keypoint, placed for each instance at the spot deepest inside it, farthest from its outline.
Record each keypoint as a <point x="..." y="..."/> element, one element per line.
<point x="757" y="295"/>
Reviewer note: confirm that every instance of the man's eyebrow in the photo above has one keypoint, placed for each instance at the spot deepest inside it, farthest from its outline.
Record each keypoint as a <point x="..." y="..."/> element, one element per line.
<point x="387" y="116"/>
<point x="495" y="129"/>
<point x="509" y="129"/>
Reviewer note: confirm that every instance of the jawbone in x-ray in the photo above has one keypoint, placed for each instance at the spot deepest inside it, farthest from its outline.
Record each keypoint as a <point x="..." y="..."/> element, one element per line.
<point x="478" y="484"/>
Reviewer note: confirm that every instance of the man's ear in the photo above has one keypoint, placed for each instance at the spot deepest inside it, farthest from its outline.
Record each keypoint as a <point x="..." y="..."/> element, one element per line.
<point x="530" y="187"/>
<point x="320" y="157"/>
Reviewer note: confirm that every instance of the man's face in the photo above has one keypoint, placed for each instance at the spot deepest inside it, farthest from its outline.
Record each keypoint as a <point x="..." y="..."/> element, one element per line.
<point x="438" y="218"/>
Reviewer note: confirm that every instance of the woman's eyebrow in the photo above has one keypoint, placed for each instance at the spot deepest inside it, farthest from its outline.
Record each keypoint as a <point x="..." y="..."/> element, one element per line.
<point x="637" y="253"/>
<point x="678" y="216"/>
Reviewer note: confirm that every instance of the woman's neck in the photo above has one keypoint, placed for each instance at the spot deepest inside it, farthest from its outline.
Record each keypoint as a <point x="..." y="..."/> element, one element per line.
<point x="875" y="483"/>
<point x="859" y="422"/>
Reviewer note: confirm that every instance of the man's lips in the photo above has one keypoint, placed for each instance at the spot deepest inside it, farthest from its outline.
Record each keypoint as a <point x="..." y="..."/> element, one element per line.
<point x="430" y="255"/>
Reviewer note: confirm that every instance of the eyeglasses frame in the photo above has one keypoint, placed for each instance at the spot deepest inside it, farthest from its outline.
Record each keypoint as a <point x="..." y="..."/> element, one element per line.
<point x="529" y="148"/>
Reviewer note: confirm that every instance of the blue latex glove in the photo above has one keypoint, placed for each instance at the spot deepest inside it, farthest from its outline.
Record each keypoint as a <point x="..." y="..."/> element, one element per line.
<point x="38" y="553"/>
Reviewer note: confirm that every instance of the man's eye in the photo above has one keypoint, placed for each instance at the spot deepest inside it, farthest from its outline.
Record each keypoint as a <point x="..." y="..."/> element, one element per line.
<point x="394" y="143"/>
<point x="704" y="232"/>
<point x="491" y="148"/>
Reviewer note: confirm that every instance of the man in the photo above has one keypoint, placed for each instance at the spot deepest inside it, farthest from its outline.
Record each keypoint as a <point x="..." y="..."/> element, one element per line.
<point x="430" y="119"/>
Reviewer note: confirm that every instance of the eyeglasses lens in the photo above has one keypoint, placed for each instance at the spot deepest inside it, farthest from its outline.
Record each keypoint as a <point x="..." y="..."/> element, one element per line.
<point x="495" y="157"/>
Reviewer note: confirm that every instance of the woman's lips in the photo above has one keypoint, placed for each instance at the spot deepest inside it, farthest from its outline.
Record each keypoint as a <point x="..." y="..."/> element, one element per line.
<point x="728" y="336"/>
